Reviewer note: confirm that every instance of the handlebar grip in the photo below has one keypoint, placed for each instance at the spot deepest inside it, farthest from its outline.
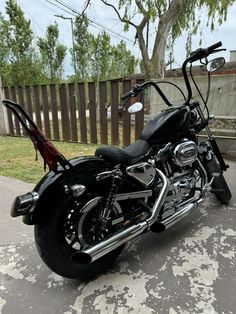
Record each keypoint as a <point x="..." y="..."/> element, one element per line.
<point x="213" y="47"/>
<point x="128" y="94"/>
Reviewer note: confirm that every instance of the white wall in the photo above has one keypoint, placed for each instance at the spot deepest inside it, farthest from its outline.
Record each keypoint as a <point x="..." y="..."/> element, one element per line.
<point x="222" y="100"/>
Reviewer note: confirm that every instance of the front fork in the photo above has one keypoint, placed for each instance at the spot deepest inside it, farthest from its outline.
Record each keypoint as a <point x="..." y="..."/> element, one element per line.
<point x="212" y="141"/>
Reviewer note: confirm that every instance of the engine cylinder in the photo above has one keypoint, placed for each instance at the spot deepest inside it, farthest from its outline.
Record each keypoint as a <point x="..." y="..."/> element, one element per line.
<point x="185" y="153"/>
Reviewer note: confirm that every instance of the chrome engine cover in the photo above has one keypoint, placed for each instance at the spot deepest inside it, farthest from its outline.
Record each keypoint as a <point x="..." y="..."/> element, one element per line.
<point x="185" y="153"/>
<point x="144" y="172"/>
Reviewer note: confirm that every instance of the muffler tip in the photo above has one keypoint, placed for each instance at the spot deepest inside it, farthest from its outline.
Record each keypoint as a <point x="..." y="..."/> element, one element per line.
<point x="81" y="258"/>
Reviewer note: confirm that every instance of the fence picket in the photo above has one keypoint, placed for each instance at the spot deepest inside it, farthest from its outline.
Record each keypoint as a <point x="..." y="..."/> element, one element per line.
<point x="126" y="116"/>
<point x="82" y="113"/>
<point x="114" y="113"/>
<point x="22" y="102"/>
<point x="103" y="112"/>
<point x="53" y="99"/>
<point x="65" y="121"/>
<point x="9" y="114"/>
<point x="46" y="111"/>
<point x="92" y="113"/>
<point x="29" y="101"/>
<point x="14" y="98"/>
<point x="37" y="106"/>
<point x="139" y="119"/>
<point x="72" y="105"/>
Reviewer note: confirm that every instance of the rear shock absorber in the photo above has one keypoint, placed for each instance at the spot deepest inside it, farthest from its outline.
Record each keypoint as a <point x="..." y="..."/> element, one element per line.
<point x="109" y="200"/>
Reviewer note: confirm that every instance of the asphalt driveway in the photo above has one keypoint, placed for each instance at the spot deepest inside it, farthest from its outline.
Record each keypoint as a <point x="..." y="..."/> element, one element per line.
<point x="190" y="268"/>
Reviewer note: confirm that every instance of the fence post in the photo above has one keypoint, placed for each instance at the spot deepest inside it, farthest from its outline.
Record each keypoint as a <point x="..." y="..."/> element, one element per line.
<point x="3" y="126"/>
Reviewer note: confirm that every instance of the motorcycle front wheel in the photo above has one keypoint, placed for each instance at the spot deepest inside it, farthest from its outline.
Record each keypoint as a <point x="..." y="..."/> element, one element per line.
<point x="70" y="227"/>
<point x="219" y="185"/>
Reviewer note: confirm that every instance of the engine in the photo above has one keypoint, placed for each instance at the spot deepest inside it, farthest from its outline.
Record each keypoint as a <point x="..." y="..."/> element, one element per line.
<point x="184" y="153"/>
<point x="182" y="177"/>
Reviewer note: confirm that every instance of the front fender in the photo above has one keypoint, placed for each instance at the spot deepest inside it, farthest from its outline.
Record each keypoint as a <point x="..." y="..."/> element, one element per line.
<point x="51" y="187"/>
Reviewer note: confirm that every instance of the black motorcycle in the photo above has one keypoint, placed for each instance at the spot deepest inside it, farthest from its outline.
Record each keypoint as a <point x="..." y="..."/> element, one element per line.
<point x="85" y="209"/>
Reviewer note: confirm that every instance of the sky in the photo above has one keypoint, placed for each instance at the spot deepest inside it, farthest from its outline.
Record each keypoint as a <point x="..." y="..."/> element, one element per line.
<point x="42" y="13"/>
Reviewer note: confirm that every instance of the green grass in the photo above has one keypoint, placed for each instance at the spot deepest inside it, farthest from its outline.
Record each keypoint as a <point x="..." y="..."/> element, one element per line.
<point x="17" y="157"/>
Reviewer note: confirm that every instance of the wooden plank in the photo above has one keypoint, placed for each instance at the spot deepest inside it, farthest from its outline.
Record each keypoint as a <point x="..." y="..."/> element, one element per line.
<point x="92" y="112"/>
<point x="72" y="105"/>
<point x="9" y="113"/>
<point x="29" y="101"/>
<point x="139" y="118"/>
<point x="22" y="103"/>
<point x="53" y="100"/>
<point x="82" y="113"/>
<point x="103" y="112"/>
<point x="126" y="116"/>
<point x="37" y="106"/>
<point x="114" y="113"/>
<point x="65" y="121"/>
<point x="17" y="123"/>
<point x="46" y="111"/>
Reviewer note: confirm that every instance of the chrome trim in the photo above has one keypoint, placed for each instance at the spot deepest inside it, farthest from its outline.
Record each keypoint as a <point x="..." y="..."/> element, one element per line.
<point x="93" y="202"/>
<point x="128" y="196"/>
<point x="119" y="197"/>
<point x="24" y="204"/>
<point x="187" y="206"/>
<point x="77" y="190"/>
<point x="98" y="250"/>
<point x="181" y="152"/>
<point x="143" y="172"/>
<point x="160" y="200"/>
<point x="170" y="221"/>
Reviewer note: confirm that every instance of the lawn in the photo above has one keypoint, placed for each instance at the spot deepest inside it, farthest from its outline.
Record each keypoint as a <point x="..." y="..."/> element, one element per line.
<point x="17" y="157"/>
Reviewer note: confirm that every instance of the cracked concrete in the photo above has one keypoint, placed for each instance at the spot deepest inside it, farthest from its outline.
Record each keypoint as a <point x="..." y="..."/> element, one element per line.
<point x="190" y="268"/>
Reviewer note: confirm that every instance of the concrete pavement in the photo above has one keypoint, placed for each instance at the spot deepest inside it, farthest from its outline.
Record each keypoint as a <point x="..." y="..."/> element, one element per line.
<point x="188" y="269"/>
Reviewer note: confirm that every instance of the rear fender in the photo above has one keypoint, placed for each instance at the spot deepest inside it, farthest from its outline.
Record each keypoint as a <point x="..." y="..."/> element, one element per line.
<point x="51" y="188"/>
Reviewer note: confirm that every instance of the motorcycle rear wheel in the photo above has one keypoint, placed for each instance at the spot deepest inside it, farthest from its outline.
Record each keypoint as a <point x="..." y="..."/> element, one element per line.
<point x="219" y="183"/>
<point x="56" y="249"/>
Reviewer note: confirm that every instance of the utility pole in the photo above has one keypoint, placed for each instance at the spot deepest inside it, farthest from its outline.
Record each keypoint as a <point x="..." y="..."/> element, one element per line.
<point x="72" y="37"/>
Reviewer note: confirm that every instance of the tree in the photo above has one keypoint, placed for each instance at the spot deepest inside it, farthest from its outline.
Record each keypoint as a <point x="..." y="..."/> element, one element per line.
<point x="101" y="56"/>
<point x="82" y="45"/>
<point x="52" y="53"/>
<point x="123" y="62"/>
<point x="96" y="57"/>
<point x="170" y="17"/>
<point x="18" y="57"/>
<point x="4" y="49"/>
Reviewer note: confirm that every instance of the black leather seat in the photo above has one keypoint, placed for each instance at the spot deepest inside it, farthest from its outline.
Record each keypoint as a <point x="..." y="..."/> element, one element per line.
<point x="116" y="155"/>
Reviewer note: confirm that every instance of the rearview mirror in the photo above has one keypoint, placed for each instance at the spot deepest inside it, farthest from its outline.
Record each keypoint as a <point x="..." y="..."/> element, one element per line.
<point x="215" y="64"/>
<point x="137" y="106"/>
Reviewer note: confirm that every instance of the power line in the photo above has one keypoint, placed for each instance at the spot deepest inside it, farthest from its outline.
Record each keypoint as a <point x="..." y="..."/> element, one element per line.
<point x="98" y="25"/>
<point x="31" y="17"/>
<point x="92" y="21"/>
<point x="60" y="7"/>
<point x="50" y="9"/>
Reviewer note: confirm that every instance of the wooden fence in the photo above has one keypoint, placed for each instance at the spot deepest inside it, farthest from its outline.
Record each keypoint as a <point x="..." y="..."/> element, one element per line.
<point x="71" y="112"/>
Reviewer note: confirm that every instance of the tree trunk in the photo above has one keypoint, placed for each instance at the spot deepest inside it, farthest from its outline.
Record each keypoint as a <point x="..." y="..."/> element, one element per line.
<point x="156" y="65"/>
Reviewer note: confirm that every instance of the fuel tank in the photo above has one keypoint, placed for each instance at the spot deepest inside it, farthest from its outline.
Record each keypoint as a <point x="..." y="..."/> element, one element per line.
<point x="167" y="125"/>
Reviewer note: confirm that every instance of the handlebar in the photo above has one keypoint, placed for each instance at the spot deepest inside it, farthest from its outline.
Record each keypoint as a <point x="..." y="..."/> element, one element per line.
<point x="194" y="56"/>
<point x="203" y="53"/>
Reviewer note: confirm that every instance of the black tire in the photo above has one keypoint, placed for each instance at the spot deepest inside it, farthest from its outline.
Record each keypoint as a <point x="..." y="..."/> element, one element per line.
<point x="56" y="252"/>
<point x="219" y="183"/>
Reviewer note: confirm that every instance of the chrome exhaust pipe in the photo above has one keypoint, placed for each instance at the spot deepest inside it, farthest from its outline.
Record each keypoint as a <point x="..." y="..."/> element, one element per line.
<point x="166" y="223"/>
<point x="98" y="250"/>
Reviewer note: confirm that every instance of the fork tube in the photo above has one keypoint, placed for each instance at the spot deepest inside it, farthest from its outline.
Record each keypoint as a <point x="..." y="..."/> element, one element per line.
<point x="213" y="142"/>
